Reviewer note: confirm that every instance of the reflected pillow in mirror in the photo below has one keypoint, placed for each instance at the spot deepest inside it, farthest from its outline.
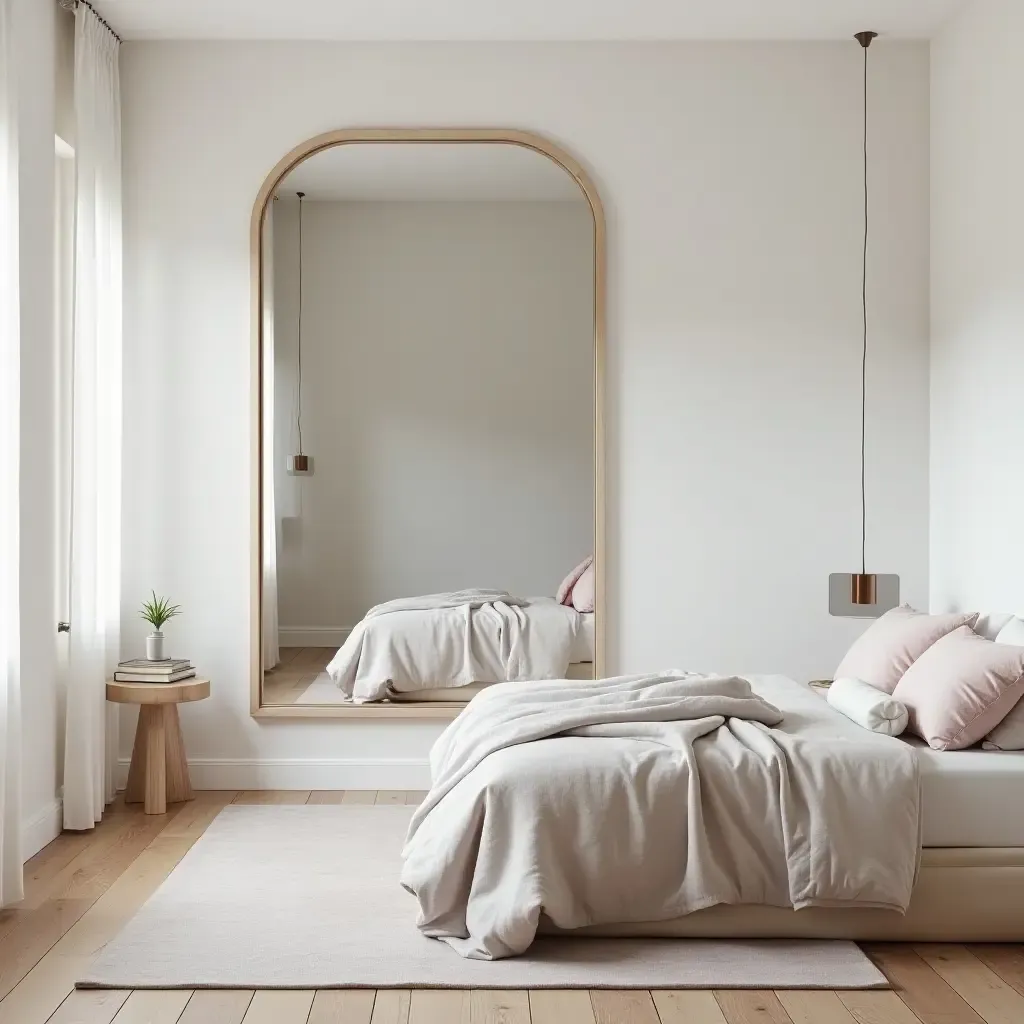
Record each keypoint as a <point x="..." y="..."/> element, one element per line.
<point x="564" y="593"/>
<point x="583" y="592"/>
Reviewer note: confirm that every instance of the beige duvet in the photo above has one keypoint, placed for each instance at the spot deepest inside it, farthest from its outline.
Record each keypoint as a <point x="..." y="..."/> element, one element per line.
<point x="646" y="798"/>
<point x="453" y="640"/>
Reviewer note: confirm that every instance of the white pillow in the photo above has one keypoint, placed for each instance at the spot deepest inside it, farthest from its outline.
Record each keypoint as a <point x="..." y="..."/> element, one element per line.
<point x="869" y="707"/>
<point x="990" y="623"/>
<point x="1009" y="733"/>
<point x="1012" y="633"/>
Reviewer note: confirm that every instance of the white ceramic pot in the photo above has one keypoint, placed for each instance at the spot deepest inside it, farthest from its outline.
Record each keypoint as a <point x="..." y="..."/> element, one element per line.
<point x="155" y="646"/>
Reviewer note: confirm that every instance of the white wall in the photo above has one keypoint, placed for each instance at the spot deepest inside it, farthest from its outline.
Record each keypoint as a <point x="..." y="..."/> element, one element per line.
<point x="35" y="31"/>
<point x="977" y="359"/>
<point x="448" y="397"/>
<point x="731" y="178"/>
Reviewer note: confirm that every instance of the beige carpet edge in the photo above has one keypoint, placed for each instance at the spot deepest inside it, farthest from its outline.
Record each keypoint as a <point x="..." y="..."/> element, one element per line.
<point x="223" y="912"/>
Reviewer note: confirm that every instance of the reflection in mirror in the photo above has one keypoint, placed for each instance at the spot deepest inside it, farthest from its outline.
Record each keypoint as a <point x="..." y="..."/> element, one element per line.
<point x="428" y="425"/>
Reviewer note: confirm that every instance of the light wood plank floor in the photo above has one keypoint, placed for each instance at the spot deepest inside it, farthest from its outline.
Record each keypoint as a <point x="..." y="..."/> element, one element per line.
<point x="294" y="673"/>
<point x="83" y="887"/>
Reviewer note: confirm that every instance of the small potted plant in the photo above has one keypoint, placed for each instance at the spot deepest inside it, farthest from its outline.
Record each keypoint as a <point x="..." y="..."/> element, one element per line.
<point x="156" y="612"/>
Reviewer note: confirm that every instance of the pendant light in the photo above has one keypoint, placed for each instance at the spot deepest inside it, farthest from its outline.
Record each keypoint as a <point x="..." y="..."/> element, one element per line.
<point x="863" y="593"/>
<point x="864" y="586"/>
<point x="300" y="464"/>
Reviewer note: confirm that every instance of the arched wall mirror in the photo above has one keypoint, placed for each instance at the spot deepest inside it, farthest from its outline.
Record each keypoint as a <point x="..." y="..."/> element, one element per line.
<point x="428" y="311"/>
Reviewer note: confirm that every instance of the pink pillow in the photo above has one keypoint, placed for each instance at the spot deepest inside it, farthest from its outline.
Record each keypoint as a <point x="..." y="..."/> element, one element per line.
<point x="564" y="593"/>
<point x="961" y="688"/>
<point x="583" y="592"/>
<point x="891" y="644"/>
<point x="1009" y="733"/>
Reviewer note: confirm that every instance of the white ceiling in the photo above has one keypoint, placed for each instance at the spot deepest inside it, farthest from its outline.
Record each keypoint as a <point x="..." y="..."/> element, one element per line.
<point x="391" y="171"/>
<point x="523" y="19"/>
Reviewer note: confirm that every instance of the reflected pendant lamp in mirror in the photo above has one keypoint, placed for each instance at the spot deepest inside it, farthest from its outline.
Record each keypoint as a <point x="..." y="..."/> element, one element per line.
<point x="300" y="464"/>
<point x="862" y="593"/>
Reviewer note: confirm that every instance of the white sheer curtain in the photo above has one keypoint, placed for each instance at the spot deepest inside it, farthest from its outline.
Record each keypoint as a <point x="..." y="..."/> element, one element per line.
<point x="90" y="744"/>
<point x="10" y="395"/>
<point x="271" y="644"/>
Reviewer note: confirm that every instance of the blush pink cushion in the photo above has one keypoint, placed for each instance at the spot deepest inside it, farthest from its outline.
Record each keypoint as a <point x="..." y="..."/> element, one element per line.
<point x="583" y="592"/>
<point x="1009" y="733"/>
<point x="891" y="644"/>
<point x="564" y="593"/>
<point x="961" y="688"/>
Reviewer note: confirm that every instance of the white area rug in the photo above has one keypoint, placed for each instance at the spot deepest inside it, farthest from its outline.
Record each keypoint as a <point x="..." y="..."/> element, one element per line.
<point x="308" y="897"/>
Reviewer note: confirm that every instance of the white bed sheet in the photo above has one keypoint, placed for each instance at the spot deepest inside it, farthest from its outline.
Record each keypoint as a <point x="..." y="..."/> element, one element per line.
<point x="971" y="798"/>
<point x="583" y="646"/>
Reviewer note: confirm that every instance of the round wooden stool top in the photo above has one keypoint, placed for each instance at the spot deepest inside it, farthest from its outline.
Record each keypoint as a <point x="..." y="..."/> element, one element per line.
<point x="158" y="693"/>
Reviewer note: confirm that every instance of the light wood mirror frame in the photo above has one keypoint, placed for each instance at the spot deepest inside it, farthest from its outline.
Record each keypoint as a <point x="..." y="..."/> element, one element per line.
<point x="514" y="137"/>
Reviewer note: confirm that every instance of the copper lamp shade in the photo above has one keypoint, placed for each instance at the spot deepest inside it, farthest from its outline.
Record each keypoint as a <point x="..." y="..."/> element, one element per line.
<point x="864" y="588"/>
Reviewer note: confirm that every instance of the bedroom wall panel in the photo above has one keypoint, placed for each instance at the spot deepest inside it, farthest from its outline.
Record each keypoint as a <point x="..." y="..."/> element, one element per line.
<point x="450" y="450"/>
<point x="977" y="355"/>
<point x="730" y="176"/>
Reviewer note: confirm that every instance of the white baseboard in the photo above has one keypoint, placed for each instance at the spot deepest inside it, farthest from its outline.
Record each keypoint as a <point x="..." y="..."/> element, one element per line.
<point x="295" y="773"/>
<point x="46" y="826"/>
<point x="312" y="636"/>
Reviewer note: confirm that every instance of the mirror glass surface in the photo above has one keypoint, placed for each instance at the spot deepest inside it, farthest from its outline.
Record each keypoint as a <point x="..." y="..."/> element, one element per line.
<point x="428" y="424"/>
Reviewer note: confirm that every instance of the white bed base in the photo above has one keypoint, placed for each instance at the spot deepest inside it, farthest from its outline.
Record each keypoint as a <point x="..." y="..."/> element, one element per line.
<point x="961" y="895"/>
<point x="580" y="671"/>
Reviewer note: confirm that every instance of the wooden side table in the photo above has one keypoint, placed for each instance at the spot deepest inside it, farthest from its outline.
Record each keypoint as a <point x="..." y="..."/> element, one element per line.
<point x="159" y="772"/>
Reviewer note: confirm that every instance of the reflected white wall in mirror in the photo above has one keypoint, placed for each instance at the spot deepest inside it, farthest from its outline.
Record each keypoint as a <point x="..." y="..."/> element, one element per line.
<point x="435" y="348"/>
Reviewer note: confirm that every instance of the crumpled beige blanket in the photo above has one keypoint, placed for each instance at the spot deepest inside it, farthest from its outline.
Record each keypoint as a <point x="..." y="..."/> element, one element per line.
<point x="451" y="640"/>
<point x="645" y="798"/>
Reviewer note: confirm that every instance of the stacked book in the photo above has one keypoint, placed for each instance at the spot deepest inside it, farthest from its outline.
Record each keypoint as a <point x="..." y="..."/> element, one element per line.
<point x="141" y="670"/>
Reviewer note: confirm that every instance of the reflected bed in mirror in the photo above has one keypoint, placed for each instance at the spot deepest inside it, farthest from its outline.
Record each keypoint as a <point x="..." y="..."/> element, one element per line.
<point x="428" y="310"/>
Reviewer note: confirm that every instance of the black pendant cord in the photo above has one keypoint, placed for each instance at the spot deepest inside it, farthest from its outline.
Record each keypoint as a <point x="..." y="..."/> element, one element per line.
<point x="298" y="411"/>
<point x="865" y="42"/>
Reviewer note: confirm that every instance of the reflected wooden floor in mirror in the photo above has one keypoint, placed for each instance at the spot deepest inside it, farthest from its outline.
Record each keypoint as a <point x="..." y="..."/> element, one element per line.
<point x="293" y="675"/>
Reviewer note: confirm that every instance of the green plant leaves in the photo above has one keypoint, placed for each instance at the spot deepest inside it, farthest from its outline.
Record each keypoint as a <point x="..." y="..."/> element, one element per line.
<point x="158" y="610"/>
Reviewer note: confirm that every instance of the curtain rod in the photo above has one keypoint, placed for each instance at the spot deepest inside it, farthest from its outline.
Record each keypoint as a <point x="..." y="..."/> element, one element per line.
<point x="70" y="5"/>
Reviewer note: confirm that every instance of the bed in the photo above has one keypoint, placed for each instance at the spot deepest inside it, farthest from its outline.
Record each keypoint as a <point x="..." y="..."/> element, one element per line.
<point x="580" y="668"/>
<point x="969" y="881"/>
<point x="447" y="647"/>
